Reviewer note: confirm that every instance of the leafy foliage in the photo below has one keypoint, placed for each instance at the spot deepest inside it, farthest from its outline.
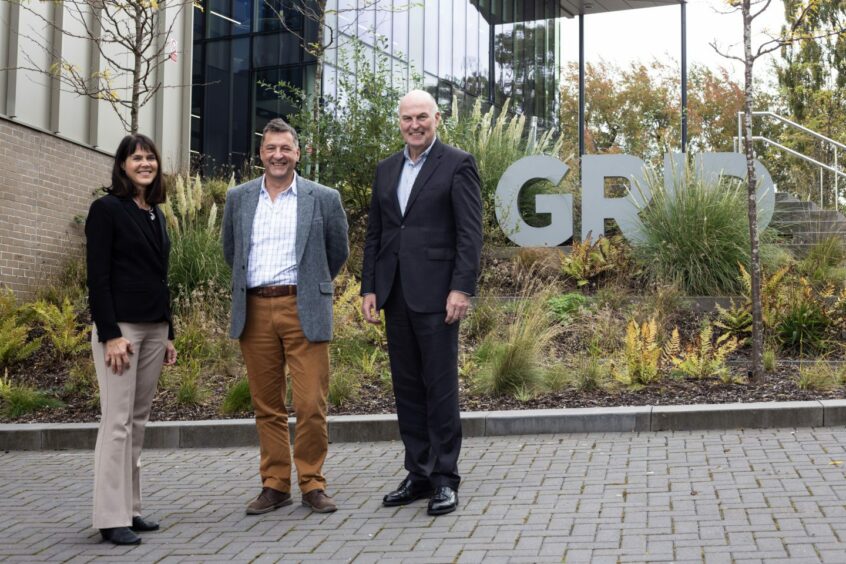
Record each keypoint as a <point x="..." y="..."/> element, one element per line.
<point x="639" y="364"/>
<point x="563" y="307"/>
<point x="14" y="343"/>
<point x="356" y="128"/>
<point x="706" y="357"/>
<point x="695" y="235"/>
<point x="588" y="260"/>
<point x="62" y="328"/>
<point x="820" y="375"/>
<point x="238" y="398"/>
<point x="510" y="363"/>
<point x="19" y="400"/>
<point x="196" y="256"/>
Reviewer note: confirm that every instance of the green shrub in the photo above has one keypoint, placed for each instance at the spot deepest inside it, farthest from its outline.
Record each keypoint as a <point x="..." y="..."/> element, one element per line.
<point x="820" y="375"/>
<point x="482" y="319"/>
<point x="563" y="307"/>
<point x="238" y="398"/>
<point x="62" y="327"/>
<point x="196" y="255"/>
<point x="344" y="387"/>
<point x="8" y="303"/>
<point x="586" y="372"/>
<point x="803" y="328"/>
<point x="14" y="346"/>
<point x="512" y="365"/>
<point x="189" y="387"/>
<point x="769" y="359"/>
<point x="19" y="400"/>
<point x="696" y="236"/>
<point x="823" y="259"/>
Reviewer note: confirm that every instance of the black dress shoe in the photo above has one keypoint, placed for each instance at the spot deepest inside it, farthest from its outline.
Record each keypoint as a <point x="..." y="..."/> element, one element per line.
<point x="141" y="525"/>
<point x="445" y="500"/>
<point x="407" y="492"/>
<point x="120" y="535"/>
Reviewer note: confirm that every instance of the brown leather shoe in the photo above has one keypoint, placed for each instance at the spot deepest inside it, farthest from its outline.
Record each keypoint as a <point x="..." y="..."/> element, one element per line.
<point x="268" y="500"/>
<point x="319" y="502"/>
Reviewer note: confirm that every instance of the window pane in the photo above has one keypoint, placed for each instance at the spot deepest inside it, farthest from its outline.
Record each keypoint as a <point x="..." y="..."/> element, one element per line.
<point x="471" y="70"/>
<point x="484" y="55"/>
<point x="399" y="43"/>
<point x="430" y="37"/>
<point x="459" y="32"/>
<point x="445" y="39"/>
<point x="384" y="17"/>
<point x="366" y="22"/>
<point x="274" y="50"/>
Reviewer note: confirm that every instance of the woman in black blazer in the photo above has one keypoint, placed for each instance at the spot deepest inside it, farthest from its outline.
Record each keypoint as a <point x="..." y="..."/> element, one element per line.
<point x="127" y="259"/>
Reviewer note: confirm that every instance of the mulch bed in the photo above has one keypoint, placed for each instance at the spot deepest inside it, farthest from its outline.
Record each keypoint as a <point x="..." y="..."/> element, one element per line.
<point x="375" y="399"/>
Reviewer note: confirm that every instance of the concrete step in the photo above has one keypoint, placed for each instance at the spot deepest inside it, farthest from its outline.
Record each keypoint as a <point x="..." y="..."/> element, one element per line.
<point x="796" y="206"/>
<point x="811" y="227"/>
<point x="816" y="237"/>
<point x="787" y="216"/>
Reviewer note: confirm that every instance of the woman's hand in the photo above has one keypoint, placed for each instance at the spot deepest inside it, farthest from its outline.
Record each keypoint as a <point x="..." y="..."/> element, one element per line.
<point x="117" y="354"/>
<point x="170" y="354"/>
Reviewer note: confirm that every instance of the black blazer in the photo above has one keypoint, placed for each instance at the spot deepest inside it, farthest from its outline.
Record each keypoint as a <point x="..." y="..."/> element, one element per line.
<point x="437" y="243"/>
<point x="127" y="267"/>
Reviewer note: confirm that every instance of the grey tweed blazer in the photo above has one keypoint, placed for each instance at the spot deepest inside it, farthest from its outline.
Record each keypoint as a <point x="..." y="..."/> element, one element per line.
<point x="322" y="249"/>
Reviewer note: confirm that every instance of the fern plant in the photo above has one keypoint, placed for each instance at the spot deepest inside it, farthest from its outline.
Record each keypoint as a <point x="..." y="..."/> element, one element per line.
<point x="588" y="260"/>
<point x="706" y="357"/>
<point x="13" y="341"/>
<point x="62" y="327"/>
<point x="641" y="355"/>
<point x="735" y="321"/>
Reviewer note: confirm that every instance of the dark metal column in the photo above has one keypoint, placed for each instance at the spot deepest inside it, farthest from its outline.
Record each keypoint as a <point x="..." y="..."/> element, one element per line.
<point x="581" y="84"/>
<point x="683" y="76"/>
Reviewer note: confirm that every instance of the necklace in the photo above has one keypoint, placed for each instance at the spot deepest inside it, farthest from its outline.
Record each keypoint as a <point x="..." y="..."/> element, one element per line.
<point x="149" y="209"/>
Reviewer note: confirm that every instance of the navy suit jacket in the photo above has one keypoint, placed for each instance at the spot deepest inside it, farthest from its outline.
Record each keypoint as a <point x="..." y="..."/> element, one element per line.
<point x="437" y="243"/>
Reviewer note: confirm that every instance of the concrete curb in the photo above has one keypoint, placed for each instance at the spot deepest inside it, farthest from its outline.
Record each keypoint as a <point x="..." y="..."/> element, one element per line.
<point x="368" y="428"/>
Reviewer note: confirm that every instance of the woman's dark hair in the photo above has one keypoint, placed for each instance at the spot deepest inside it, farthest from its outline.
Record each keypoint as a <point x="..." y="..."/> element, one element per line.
<point x="121" y="185"/>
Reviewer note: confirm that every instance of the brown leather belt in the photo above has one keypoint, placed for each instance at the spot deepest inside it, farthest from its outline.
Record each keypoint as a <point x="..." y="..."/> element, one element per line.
<point x="272" y="291"/>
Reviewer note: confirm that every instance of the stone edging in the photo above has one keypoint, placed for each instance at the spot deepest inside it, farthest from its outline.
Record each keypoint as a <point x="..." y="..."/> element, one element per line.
<point x="367" y="428"/>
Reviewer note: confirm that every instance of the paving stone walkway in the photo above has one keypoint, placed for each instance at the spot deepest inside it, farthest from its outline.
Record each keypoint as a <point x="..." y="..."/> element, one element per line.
<point x="709" y="496"/>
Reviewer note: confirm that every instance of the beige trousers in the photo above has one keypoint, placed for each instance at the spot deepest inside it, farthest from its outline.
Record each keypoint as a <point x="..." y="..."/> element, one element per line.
<point x="273" y="339"/>
<point x="125" y="401"/>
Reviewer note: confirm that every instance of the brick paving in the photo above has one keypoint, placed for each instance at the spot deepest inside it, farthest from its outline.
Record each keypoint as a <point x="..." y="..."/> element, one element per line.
<point x="706" y="496"/>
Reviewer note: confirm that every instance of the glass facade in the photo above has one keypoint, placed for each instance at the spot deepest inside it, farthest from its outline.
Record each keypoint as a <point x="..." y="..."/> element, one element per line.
<point x="468" y="49"/>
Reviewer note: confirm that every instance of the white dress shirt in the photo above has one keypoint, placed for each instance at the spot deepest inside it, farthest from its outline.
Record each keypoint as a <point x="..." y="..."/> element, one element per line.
<point x="273" y="254"/>
<point x="410" y="170"/>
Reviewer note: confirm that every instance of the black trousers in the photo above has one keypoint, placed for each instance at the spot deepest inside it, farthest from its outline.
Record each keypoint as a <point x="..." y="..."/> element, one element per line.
<point x="423" y="351"/>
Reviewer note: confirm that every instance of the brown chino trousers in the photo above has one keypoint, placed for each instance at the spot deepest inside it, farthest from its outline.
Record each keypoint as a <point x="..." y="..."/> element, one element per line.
<point x="272" y="339"/>
<point x="125" y="402"/>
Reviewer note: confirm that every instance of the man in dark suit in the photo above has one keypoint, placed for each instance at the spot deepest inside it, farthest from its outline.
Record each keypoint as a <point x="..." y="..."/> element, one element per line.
<point x="421" y="262"/>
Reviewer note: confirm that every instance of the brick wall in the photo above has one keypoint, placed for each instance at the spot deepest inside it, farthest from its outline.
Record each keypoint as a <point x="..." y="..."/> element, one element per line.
<point x="46" y="186"/>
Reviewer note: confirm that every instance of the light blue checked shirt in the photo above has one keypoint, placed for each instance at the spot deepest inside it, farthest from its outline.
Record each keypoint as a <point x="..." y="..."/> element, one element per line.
<point x="273" y="253"/>
<point x="410" y="170"/>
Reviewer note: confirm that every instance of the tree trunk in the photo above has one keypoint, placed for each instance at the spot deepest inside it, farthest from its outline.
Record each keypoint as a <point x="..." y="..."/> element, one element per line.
<point x="755" y="260"/>
<point x="136" y="69"/>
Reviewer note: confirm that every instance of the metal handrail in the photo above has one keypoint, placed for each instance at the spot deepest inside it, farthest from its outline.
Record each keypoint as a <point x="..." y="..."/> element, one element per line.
<point x="822" y="166"/>
<point x="796" y="153"/>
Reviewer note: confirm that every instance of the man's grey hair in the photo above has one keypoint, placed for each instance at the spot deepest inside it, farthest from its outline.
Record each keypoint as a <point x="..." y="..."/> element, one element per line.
<point x="279" y="125"/>
<point x="421" y="93"/>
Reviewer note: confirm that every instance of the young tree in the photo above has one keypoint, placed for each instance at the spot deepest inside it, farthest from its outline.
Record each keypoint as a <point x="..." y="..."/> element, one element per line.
<point x="133" y="39"/>
<point x="796" y="30"/>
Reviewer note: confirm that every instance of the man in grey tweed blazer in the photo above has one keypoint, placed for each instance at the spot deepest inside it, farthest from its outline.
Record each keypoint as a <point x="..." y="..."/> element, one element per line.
<point x="285" y="239"/>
